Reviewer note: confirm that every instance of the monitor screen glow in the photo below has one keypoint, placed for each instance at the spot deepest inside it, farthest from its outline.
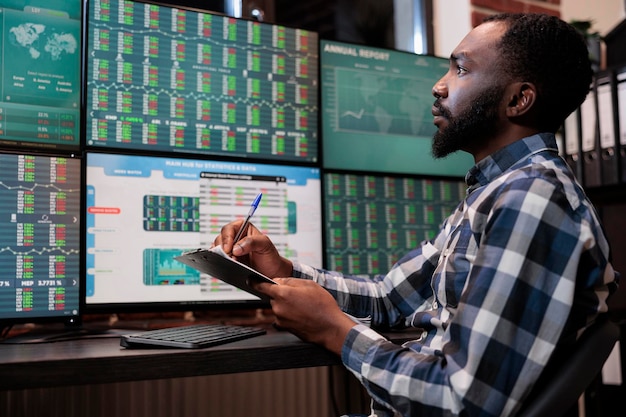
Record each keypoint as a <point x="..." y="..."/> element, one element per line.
<point x="40" y="74"/>
<point x="144" y="210"/>
<point x="169" y="79"/>
<point x="40" y="251"/>
<point x="374" y="219"/>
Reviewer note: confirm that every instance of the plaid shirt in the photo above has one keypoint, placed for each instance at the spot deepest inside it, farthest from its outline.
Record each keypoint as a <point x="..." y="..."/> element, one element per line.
<point x="521" y="266"/>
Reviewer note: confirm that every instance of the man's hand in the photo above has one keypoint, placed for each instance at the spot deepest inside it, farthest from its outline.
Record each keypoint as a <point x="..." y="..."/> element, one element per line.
<point x="309" y="311"/>
<point x="254" y="249"/>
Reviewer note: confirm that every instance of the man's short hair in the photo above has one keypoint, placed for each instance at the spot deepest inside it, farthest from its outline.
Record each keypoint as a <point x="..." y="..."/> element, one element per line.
<point x="551" y="54"/>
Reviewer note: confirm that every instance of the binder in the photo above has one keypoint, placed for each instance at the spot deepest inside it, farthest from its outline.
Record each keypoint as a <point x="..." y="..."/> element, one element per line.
<point x="607" y="133"/>
<point x="571" y="144"/>
<point x="621" y="118"/>
<point x="592" y="176"/>
<point x="560" y="142"/>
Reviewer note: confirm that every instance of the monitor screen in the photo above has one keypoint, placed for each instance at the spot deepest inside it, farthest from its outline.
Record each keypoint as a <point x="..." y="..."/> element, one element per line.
<point x="376" y="111"/>
<point x="40" y="70"/>
<point x="170" y="79"/>
<point x="142" y="211"/>
<point x="40" y="212"/>
<point x="373" y="220"/>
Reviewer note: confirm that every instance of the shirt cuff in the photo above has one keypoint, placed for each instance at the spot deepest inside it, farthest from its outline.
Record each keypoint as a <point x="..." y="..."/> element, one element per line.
<point x="358" y="343"/>
<point x="302" y="271"/>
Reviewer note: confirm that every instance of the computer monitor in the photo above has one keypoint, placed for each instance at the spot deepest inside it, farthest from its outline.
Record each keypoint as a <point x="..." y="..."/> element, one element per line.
<point x="40" y="228"/>
<point x="371" y="220"/>
<point x="142" y="211"/>
<point x="40" y="73"/>
<point x="169" y="79"/>
<point x="376" y="111"/>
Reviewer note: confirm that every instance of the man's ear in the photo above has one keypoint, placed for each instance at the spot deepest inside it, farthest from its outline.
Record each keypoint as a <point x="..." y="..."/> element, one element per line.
<point x="521" y="98"/>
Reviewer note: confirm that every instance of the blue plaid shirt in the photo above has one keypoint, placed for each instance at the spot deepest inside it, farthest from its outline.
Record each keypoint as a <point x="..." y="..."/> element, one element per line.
<point x="521" y="266"/>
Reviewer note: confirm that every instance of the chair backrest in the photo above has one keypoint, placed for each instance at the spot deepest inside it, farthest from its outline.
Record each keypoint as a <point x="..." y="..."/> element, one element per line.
<point x="568" y="376"/>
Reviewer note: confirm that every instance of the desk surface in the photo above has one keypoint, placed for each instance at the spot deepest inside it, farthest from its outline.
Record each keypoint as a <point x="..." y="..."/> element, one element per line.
<point x="101" y="359"/>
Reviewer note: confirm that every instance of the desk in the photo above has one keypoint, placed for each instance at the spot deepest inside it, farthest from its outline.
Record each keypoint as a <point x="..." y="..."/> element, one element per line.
<point x="97" y="377"/>
<point x="94" y="360"/>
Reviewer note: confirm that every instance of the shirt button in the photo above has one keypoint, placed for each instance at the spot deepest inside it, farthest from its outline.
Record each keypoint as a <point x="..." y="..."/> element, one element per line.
<point x="435" y="305"/>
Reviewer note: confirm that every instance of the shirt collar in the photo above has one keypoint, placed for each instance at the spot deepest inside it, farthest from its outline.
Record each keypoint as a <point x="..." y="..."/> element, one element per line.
<point x="504" y="159"/>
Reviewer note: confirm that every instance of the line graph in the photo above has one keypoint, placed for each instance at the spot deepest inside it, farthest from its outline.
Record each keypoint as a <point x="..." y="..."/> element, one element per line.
<point x="140" y="91"/>
<point x="356" y="115"/>
<point x="43" y="251"/>
<point x="35" y="186"/>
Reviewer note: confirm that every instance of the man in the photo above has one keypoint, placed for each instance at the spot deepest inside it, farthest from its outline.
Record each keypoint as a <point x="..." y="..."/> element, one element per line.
<point x="516" y="271"/>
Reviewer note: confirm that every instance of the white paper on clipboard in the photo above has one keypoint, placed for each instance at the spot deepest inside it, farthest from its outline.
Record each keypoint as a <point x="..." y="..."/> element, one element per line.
<point x="216" y="263"/>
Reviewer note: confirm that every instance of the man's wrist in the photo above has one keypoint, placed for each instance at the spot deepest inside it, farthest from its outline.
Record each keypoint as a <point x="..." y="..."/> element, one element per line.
<point x="336" y="336"/>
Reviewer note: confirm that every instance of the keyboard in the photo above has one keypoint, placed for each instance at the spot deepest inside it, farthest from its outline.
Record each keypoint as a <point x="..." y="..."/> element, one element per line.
<point x="190" y="337"/>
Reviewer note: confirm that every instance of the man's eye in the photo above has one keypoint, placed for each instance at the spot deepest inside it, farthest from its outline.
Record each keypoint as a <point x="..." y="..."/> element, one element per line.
<point x="460" y="70"/>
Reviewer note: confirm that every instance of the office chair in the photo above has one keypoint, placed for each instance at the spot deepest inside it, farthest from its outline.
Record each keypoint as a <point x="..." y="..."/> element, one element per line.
<point x="568" y="376"/>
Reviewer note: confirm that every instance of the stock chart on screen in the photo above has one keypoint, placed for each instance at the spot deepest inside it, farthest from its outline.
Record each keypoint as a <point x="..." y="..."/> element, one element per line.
<point x="39" y="236"/>
<point x="170" y="79"/>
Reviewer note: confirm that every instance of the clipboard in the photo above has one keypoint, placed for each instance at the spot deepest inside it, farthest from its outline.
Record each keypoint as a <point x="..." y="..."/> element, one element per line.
<point x="216" y="263"/>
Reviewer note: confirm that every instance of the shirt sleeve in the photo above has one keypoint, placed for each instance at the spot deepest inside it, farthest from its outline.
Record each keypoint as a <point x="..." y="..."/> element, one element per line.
<point x="541" y="251"/>
<point x="386" y="301"/>
<point x="536" y="255"/>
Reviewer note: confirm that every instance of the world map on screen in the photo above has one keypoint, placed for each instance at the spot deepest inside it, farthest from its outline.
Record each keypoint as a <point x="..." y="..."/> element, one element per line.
<point x="38" y="40"/>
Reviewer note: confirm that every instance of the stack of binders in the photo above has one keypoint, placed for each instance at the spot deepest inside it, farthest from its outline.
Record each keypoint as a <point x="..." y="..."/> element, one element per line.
<point x="594" y="143"/>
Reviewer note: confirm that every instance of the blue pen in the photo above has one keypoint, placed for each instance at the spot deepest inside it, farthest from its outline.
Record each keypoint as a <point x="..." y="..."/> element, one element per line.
<point x="253" y="208"/>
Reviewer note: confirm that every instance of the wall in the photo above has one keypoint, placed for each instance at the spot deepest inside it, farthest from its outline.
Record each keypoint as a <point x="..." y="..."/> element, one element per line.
<point x="451" y="22"/>
<point x="605" y="14"/>
<point x="454" y="18"/>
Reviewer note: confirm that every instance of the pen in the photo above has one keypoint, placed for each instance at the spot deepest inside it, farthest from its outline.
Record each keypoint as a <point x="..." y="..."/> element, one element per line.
<point x="253" y="208"/>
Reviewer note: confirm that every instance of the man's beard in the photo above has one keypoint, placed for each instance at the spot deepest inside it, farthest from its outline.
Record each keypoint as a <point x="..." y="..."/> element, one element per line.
<point x="476" y="123"/>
